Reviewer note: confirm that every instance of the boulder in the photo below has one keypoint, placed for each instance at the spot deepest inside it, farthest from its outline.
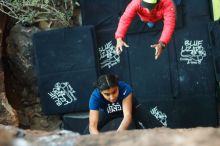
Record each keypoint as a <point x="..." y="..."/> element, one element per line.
<point x="21" y="80"/>
<point x="8" y="115"/>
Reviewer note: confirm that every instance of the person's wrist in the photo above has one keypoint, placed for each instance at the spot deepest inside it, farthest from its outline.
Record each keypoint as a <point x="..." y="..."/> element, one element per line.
<point x="162" y="45"/>
<point x="119" y="39"/>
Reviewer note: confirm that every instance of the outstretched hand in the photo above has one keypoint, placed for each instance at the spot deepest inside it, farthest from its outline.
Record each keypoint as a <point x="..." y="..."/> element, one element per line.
<point x="158" y="50"/>
<point x="119" y="46"/>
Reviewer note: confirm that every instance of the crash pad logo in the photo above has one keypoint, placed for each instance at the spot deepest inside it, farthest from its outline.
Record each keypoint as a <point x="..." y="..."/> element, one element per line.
<point x="162" y="117"/>
<point x="193" y="52"/>
<point x="62" y="94"/>
<point x="108" y="56"/>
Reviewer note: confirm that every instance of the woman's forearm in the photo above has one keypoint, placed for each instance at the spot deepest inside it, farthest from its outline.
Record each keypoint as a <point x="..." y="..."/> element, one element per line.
<point x="125" y="123"/>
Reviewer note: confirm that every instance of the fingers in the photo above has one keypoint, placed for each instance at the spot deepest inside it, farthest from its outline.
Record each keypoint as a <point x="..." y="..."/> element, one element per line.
<point x="126" y="45"/>
<point x="118" y="50"/>
<point x="158" y="50"/>
<point x="119" y="46"/>
<point x="153" y="46"/>
<point x="156" y="53"/>
<point x="156" y="57"/>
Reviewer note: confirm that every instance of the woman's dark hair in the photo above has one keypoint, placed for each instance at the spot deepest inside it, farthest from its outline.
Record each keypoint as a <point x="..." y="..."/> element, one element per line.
<point x="106" y="81"/>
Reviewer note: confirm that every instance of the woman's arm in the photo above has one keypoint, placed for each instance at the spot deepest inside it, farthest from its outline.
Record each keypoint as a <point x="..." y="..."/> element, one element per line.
<point x="124" y="23"/>
<point x="93" y="121"/>
<point x="127" y="111"/>
<point x="169" y="21"/>
<point x="126" y="19"/>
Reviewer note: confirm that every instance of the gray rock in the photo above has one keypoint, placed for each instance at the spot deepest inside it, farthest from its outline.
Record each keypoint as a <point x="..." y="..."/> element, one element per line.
<point x="155" y="137"/>
<point x="17" y="137"/>
<point x="149" y="137"/>
<point x="8" y="115"/>
<point x="21" y="80"/>
<point x="20" y="54"/>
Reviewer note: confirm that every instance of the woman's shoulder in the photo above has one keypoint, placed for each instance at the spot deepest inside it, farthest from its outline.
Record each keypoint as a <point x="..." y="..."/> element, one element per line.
<point x="124" y="86"/>
<point x="95" y="93"/>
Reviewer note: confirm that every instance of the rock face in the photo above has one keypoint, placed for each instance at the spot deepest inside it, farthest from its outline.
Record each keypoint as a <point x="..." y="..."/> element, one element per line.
<point x="19" y="74"/>
<point x="8" y="115"/>
<point x="151" y="137"/>
<point x="11" y="136"/>
<point x="20" y="55"/>
<point x="155" y="137"/>
<point x="21" y="81"/>
<point x="2" y="26"/>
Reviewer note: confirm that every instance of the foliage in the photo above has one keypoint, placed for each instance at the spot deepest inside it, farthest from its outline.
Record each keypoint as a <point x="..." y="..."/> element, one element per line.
<point x="32" y="11"/>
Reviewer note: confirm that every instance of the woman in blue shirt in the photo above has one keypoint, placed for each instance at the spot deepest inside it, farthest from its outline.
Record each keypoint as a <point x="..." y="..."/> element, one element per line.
<point x="112" y="98"/>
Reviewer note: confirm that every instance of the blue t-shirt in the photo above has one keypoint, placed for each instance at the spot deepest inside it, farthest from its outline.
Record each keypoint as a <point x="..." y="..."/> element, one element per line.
<point x="97" y="101"/>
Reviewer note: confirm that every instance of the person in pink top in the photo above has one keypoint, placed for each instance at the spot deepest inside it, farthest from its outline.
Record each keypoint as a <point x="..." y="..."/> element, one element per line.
<point x="149" y="11"/>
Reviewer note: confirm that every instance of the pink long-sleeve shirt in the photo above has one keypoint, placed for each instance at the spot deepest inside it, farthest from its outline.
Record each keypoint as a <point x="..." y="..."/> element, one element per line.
<point x="165" y="10"/>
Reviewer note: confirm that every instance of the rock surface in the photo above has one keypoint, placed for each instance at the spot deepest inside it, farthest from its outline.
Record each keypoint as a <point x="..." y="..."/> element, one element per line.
<point x="21" y="81"/>
<point x="155" y="137"/>
<point x="11" y="136"/>
<point x="150" y="137"/>
<point x="8" y="116"/>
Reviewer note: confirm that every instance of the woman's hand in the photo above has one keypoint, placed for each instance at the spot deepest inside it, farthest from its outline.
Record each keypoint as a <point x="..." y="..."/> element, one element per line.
<point x="119" y="46"/>
<point x="158" y="49"/>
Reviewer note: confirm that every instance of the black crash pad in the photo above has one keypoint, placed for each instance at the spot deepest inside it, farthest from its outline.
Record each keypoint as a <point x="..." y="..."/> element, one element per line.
<point x="214" y="37"/>
<point x="108" y="60"/>
<point x="66" y="67"/>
